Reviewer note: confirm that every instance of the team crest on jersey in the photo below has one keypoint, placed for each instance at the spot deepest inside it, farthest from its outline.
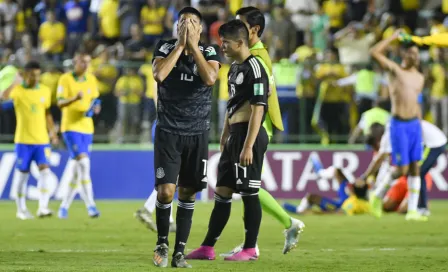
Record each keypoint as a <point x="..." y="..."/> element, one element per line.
<point x="210" y="51"/>
<point x="239" y="78"/>
<point x="160" y="173"/>
<point x="195" y="70"/>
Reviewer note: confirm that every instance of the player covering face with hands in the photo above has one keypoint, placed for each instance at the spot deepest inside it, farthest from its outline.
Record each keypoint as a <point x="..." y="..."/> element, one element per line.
<point x="185" y="70"/>
<point x="246" y="141"/>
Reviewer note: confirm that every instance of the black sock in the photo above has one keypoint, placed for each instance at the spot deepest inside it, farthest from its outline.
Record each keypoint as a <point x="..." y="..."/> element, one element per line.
<point x="184" y="215"/>
<point x="218" y="219"/>
<point x="163" y="211"/>
<point x="252" y="219"/>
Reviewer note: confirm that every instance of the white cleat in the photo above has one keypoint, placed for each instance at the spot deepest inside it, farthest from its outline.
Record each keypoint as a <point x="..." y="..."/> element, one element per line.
<point x="292" y="235"/>
<point x="424" y="212"/>
<point x="45" y="212"/>
<point x="238" y="249"/>
<point x="24" y="215"/>
<point x="146" y="218"/>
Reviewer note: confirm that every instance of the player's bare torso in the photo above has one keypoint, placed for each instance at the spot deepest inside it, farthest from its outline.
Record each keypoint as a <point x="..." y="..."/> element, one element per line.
<point x="404" y="89"/>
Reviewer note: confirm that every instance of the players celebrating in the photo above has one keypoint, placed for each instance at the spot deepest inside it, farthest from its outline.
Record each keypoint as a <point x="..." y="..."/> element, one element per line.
<point x="34" y="124"/>
<point x="185" y="71"/>
<point x="406" y="83"/>
<point x="243" y="144"/>
<point x="77" y="92"/>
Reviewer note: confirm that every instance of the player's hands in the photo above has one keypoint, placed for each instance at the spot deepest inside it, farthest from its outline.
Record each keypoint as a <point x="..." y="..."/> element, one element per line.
<point x="182" y="34"/>
<point x="79" y="96"/>
<point x="397" y="33"/>
<point x="194" y="35"/>
<point x="246" y="156"/>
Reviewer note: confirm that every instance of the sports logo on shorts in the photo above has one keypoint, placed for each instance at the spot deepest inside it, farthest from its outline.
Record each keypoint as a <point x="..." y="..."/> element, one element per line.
<point x="239" y="78"/>
<point x="160" y="173"/>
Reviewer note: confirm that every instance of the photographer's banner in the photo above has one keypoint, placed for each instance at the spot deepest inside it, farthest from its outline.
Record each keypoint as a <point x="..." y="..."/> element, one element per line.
<point x="130" y="174"/>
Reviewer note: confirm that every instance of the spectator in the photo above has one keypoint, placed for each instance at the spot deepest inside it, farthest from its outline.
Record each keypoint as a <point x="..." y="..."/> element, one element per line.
<point x="109" y="22"/>
<point x="214" y="27"/>
<point x="304" y="51"/>
<point x="439" y="98"/>
<point x="262" y="5"/>
<point x="27" y="52"/>
<point x="45" y="5"/>
<point x="8" y="13"/>
<point x="320" y="28"/>
<point x="51" y="79"/>
<point x="129" y="14"/>
<point x="135" y="47"/>
<point x="129" y="90"/>
<point x="76" y="14"/>
<point x="223" y="93"/>
<point x="152" y="18"/>
<point x="358" y="8"/>
<point x="52" y="38"/>
<point x="280" y="35"/>
<point x="354" y="44"/>
<point x="94" y="9"/>
<point x="335" y="9"/>
<point x="24" y="19"/>
<point x="172" y="15"/>
<point x="389" y="26"/>
<point x="306" y="92"/>
<point x="149" y="107"/>
<point x="302" y="12"/>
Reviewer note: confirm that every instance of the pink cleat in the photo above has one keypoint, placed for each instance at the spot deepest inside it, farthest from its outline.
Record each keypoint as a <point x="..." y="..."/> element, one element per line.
<point x="245" y="255"/>
<point x="202" y="253"/>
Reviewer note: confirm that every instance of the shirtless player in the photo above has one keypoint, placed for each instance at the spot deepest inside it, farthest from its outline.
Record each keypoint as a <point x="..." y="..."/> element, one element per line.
<point x="406" y="83"/>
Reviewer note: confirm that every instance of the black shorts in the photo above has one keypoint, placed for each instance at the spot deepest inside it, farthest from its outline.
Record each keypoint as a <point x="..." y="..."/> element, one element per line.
<point x="180" y="159"/>
<point x="230" y="173"/>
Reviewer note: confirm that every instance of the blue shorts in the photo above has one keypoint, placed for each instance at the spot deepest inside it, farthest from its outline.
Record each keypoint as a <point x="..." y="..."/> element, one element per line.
<point x="406" y="140"/>
<point x="27" y="153"/>
<point x="78" y="143"/>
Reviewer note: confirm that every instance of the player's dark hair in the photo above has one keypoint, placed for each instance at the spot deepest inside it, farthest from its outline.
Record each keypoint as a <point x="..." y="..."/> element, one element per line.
<point x="376" y="132"/>
<point x="81" y="52"/>
<point x="234" y="30"/>
<point x="190" y="10"/>
<point x="254" y="17"/>
<point x="31" y="65"/>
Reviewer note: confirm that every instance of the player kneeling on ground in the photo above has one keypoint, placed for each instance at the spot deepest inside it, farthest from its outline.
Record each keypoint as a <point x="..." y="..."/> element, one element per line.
<point x="243" y="144"/>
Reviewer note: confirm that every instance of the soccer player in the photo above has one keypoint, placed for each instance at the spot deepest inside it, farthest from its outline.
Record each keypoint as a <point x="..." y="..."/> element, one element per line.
<point x="406" y="84"/>
<point x="185" y="71"/>
<point x="76" y="96"/>
<point x="254" y="20"/>
<point x="34" y="126"/>
<point x="243" y="143"/>
<point x="434" y="140"/>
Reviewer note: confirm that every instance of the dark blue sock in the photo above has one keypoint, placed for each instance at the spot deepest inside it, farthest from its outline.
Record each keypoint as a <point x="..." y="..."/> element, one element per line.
<point x="290" y="208"/>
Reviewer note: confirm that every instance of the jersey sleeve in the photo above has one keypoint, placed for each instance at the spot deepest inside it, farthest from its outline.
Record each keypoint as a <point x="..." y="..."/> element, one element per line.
<point x="211" y="54"/>
<point x="163" y="49"/>
<point x="259" y="85"/>
<point x="63" y="88"/>
<point x="47" y="97"/>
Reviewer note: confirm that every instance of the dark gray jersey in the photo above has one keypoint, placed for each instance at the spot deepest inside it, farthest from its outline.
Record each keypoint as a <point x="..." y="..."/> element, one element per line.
<point x="183" y="100"/>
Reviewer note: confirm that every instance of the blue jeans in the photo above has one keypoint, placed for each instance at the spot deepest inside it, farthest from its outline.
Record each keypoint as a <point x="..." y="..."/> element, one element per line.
<point x="428" y="163"/>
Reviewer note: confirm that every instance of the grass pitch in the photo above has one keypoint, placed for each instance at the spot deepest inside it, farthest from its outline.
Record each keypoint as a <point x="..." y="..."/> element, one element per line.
<point x="118" y="242"/>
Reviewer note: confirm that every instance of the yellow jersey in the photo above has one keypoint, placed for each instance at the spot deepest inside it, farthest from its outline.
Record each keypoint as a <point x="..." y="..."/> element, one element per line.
<point x="51" y="80"/>
<point x="438" y="86"/>
<point x="105" y="70"/>
<point x="146" y="71"/>
<point x="30" y="106"/>
<point x="50" y="34"/>
<point x="132" y="87"/>
<point x="223" y="81"/>
<point x="335" y="11"/>
<point x="109" y="20"/>
<point x="73" y="116"/>
<point x="153" y="19"/>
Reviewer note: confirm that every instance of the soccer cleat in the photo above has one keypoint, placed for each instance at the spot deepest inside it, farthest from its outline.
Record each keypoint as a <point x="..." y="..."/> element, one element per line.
<point x="415" y="216"/>
<point x="376" y="206"/>
<point x="42" y="213"/>
<point x="292" y="235"/>
<point x="160" y="258"/>
<point x="238" y="249"/>
<point x="146" y="218"/>
<point x="179" y="261"/>
<point x="424" y="212"/>
<point x="290" y="207"/>
<point x="317" y="164"/>
<point x="63" y="213"/>
<point x="173" y="227"/>
<point x="93" y="212"/>
<point x="245" y="255"/>
<point x="202" y="253"/>
<point x="24" y="215"/>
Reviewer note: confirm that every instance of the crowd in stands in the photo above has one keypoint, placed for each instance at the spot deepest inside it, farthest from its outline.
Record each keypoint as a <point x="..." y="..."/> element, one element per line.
<point x="320" y="50"/>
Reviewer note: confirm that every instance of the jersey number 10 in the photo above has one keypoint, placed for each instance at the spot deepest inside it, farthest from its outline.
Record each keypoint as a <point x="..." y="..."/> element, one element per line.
<point x="185" y="77"/>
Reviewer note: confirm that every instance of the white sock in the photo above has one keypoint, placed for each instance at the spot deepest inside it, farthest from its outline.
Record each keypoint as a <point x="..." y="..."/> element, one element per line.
<point x="21" y="180"/>
<point x="150" y="203"/>
<point x="303" y="206"/>
<point x="327" y="173"/>
<point x="414" y="193"/>
<point x="171" y="216"/>
<point x="73" y="186"/>
<point x="42" y="185"/>
<point x="86" y="182"/>
<point x="383" y="185"/>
